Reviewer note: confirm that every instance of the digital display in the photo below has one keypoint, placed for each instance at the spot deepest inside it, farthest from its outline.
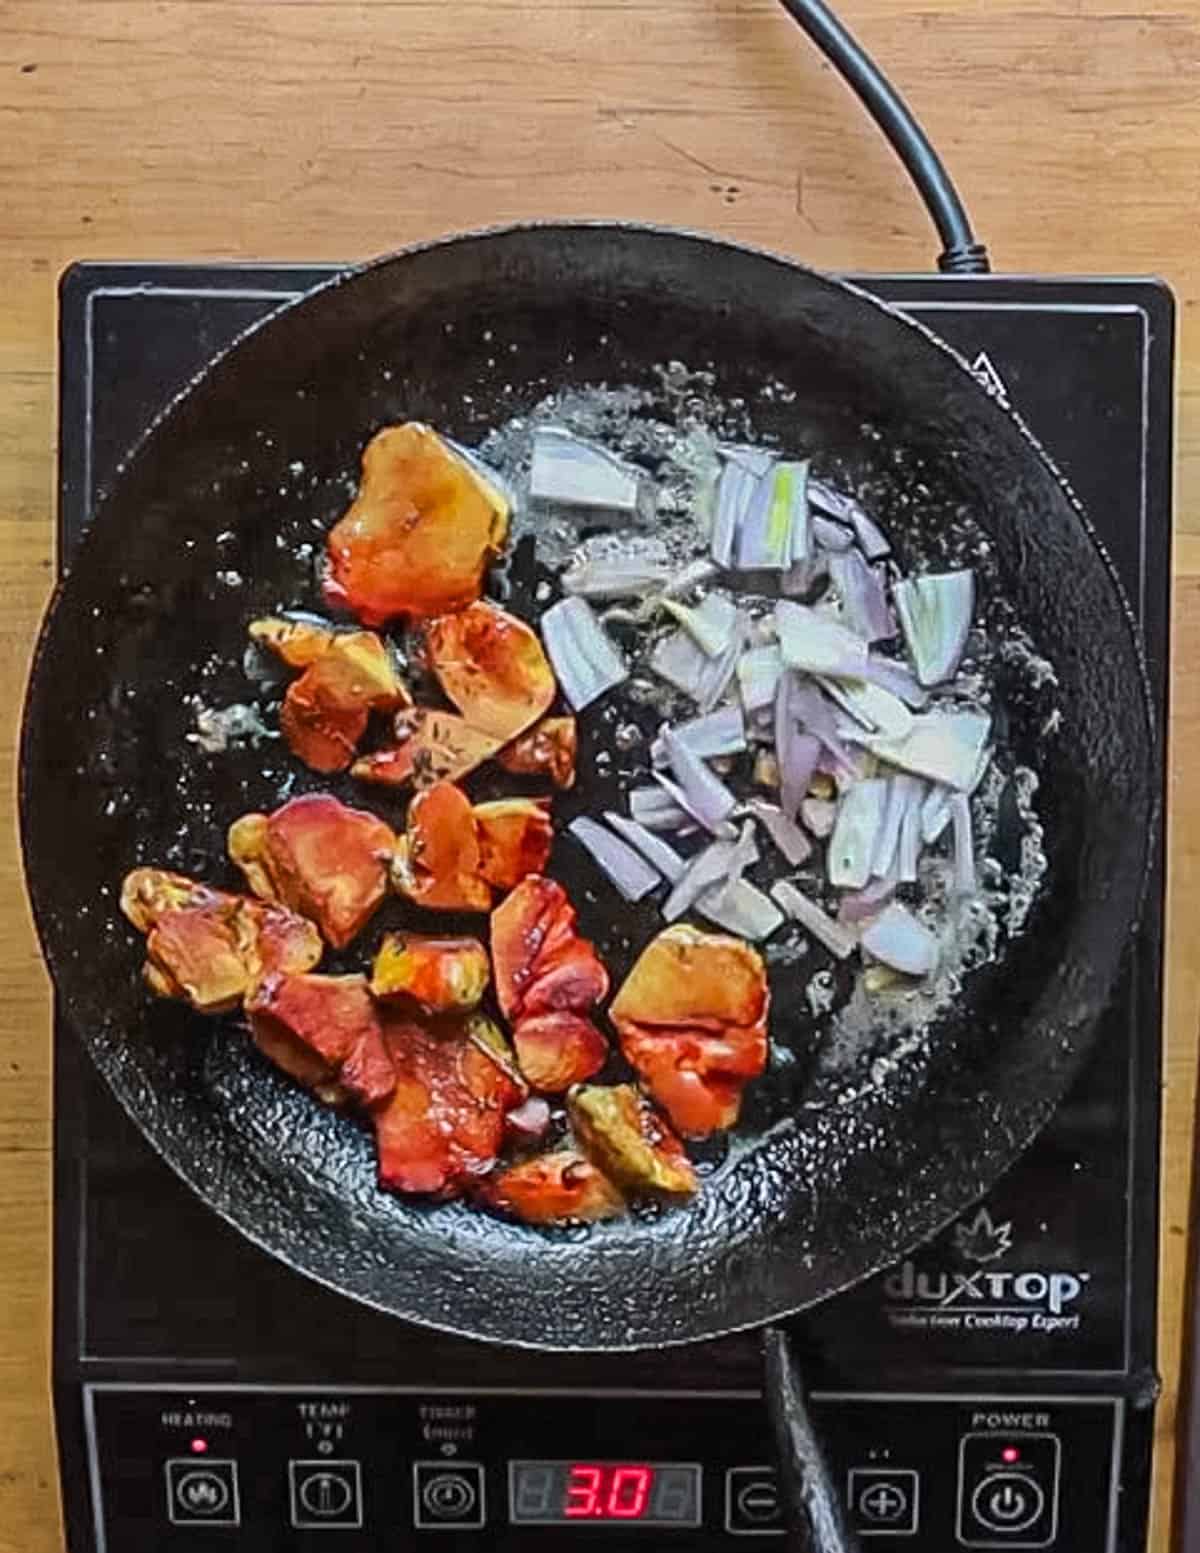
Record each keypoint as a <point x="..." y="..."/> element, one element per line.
<point x="595" y="1493"/>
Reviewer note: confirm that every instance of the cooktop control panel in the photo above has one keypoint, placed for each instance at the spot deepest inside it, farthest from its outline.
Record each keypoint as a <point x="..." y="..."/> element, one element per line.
<point x="279" y="1471"/>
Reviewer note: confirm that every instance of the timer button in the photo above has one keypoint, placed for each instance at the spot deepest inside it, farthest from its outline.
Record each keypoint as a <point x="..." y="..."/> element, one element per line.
<point x="448" y="1496"/>
<point x="752" y="1507"/>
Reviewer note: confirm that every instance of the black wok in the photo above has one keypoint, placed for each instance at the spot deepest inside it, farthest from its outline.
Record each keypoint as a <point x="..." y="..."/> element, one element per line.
<point x="207" y="525"/>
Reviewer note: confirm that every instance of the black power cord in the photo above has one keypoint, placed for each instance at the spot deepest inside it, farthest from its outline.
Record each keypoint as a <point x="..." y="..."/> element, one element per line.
<point x="962" y="253"/>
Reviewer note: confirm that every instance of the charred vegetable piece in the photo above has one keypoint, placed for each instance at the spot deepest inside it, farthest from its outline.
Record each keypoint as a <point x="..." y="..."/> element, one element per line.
<point x="431" y="746"/>
<point x="296" y="642"/>
<point x="515" y="836"/>
<point x="540" y="963"/>
<point x="557" y="1188"/>
<point x="319" y="857"/>
<point x="548" y="749"/>
<point x="547" y="981"/>
<point x="193" y="954"/>
<point x="419" y="534"/>
<point x="325" y="711"/>
<point x="692" y="1021"/>
<point x="443" y="975"/>
<point x="438" y="864"/>
<point x="148" y="893"/>
<point x="492" y="667"/>
<point x="444" y="1124"/>
<point x="555" y="1051"/>
<point x="622" y="1134"/>
<point x="336" y="1020"/>
<point x="210" y="948"/>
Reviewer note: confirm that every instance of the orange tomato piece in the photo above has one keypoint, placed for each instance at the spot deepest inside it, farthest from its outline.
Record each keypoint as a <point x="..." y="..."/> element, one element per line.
<point x="444" y="1124"/>
<point x="325" y="711"/>
<point x="555" y="1051"/>
<point x="438" y="866"/>
<point x="547" y="749"/>
<point x="443" y="975"/>
<point x="540" y="964"/>
<point x="336" y="1019"/>
<point x="492" y="667"/>
<point x="319" y="857"/>
<point x="692" y="1020"/>
<point x="558" y="1188"/>
<point x="515" y="837"/>
<point x="431" y="746"/>
<point x="420" y="533"/>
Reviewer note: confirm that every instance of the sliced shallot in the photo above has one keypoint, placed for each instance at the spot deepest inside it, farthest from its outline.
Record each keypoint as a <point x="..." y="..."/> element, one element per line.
<point x="656" y="809"/>
<point x="856" y="834"/>
<point x="860" y="587"/>
<point x="935" y="812"/>
<point x="784" y="832"/>
<point x="707" y="796"/>
<point x="567" y="471"/>
<point x="743" y="910"/>
<point x="626" y="869"/>
<point x="758" y="674"/>
<point x="716" y="733"/>
<point x="653" y="848"/>
<point x="945" y="745"/>
<point x="817" y="644"/>
<point x="587" y="663"/>
<point x="836" y="938"/>
<point x="897" y="939"/>
<point x="935" y="615"/>
<point x="964" y="844"/>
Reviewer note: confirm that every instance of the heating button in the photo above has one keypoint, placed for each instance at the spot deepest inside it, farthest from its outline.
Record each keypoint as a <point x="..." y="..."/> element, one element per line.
<point x="202" y="1493"/>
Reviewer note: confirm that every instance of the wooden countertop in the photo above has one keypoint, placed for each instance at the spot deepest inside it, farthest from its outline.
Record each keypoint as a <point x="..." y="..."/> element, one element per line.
<point x="324" y="129"/>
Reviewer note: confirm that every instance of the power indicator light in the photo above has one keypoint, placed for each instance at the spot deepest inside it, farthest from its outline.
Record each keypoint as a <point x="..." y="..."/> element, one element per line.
<point x="199" y="1446"/>
<point x="1010" y="1454"/>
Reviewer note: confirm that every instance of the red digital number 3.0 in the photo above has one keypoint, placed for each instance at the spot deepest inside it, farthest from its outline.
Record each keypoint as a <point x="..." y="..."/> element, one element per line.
<point x="583" y="1492"/>
<point x="618" y="1492"/>
<point x="628" y="1492"/>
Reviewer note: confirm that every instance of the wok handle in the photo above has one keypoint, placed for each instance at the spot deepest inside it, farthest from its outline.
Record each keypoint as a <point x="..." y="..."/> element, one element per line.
<point x="809" y="1494"/>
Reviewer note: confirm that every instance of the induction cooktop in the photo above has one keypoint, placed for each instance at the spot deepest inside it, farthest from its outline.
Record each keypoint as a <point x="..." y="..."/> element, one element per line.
<point x="993" y="1390"/>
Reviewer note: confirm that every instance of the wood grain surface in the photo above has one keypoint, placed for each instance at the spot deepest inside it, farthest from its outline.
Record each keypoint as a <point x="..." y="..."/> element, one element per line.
<point x="334" y="129"/>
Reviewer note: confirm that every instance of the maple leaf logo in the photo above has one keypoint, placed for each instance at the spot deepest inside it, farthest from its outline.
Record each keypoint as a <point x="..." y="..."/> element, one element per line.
<point x="981" y="1239"/>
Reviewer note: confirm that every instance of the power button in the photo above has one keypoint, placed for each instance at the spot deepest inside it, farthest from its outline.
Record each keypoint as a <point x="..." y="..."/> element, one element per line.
<point x="1008" y="1490"/>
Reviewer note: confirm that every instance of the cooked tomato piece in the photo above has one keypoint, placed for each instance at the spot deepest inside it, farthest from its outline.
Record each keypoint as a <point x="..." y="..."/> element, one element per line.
<point x="193" y="954"/>
<point x="146" y="893"/>
<point x="336" y="1018"/>
<point x="492" y="667"/>
<point x="558" y="1188"/>
<point x="555" y="1051"/>
<point x="420" y="533"/>
<point x="431" y="746"/>
<point x="515" y="836"/>
<point x="319" y="857"/>
<point x="443" y="1126"/>
<point x="692" y="1017"/>
<point x="540" y="964"/>
<point x="626" y="1138"/>
<point x="548" y="749"/>
<point x="208" y="947"/>
<point x="696" y="1076"/>
<point x="438" y="866"/>
<point x="325" y="711"/>
<point x="297" y="642"/>
<point x="443" y="975"/>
